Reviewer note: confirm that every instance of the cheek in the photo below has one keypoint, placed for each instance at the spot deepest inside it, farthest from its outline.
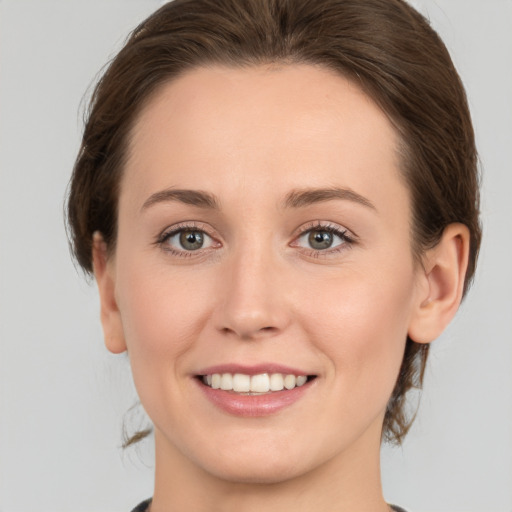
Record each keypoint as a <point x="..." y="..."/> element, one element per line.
<point x="162" y="313"/>
<point x="163" y="316"/>
<point x="360" y="322"/>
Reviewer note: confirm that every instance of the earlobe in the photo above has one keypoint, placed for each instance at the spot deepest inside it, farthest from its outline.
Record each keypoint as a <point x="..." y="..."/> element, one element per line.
<point x="442" y="284"/>
<point x="110" y="315"/>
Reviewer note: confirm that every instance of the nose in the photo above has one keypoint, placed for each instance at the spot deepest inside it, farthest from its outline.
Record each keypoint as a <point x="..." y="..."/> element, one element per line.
<point x="252" y="302"/>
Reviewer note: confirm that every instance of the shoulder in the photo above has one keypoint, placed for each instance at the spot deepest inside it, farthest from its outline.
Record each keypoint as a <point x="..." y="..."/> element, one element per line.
<point x="142" y="507"/>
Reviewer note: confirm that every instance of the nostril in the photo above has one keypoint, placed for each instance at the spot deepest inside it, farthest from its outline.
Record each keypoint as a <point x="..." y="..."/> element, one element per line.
<point x="249" y="334"/>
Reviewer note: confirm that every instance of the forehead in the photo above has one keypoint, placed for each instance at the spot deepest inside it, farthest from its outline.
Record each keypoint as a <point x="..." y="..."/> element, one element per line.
<point x="266" y="128"/>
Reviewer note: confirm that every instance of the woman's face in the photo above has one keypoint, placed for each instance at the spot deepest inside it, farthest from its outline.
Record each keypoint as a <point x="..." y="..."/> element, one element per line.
<point x="264" y="229"/>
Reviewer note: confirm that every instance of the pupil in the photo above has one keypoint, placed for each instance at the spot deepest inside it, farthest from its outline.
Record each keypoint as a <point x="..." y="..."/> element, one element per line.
<point x="191" y="240"/>
<point x="320" y="239"/>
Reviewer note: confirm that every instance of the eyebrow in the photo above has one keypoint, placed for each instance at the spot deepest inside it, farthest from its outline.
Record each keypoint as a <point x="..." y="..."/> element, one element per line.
<point x="306" y="197"/>
<point x="197" y="198"/>
<point x="295" y="199"/>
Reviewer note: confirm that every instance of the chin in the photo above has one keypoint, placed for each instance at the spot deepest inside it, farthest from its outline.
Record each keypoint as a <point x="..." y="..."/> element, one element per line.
<point x="261" y="463"/>
<point x="257" y="472"/>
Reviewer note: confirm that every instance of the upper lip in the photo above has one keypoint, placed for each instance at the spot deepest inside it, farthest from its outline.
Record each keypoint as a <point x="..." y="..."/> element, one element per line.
<point x="254" y="369"/>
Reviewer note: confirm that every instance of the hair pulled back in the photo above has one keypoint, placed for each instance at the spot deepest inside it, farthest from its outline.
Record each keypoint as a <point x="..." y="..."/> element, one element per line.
<point x="384" y="46"/>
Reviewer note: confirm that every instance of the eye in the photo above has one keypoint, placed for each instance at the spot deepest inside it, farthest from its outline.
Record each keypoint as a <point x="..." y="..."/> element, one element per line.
<point x="186" y="239"/>
<point x="323" y="238"/>
<point x="320" y="239"/>
<point x="191" y="240"/>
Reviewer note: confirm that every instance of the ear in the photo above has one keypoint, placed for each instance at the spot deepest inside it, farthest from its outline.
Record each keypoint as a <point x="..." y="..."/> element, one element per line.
<point x="105" y="279"/>
<point x="441" y="284"/>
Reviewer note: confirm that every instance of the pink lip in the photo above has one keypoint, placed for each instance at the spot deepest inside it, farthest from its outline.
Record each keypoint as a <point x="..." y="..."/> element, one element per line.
<point x="252" y="369"/>
<point x="253" y="405"/>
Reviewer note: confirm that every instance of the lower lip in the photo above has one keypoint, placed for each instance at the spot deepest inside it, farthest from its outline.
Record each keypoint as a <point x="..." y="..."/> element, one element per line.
<point x="254" y="405"/>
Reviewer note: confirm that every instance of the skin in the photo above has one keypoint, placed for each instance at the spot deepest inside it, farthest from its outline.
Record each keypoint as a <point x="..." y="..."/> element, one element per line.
<point x="257" y="291"/>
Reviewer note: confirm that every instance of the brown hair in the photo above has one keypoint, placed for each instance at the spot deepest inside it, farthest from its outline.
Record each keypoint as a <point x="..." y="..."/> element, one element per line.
<point x="384" y="46"/>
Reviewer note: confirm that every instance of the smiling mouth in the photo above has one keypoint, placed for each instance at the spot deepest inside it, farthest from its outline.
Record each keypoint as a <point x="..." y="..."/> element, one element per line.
<point x="260" y="384"/>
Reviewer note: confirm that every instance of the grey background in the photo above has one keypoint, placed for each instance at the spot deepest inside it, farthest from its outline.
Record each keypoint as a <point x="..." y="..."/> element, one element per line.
<point x="63" y="397"/>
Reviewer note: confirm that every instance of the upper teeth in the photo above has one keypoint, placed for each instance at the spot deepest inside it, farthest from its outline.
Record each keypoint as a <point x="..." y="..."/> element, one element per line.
<point x="261" y="383"/>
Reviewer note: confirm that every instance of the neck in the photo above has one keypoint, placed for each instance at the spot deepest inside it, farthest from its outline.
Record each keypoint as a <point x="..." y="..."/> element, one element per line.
<point x="348" y="482"/>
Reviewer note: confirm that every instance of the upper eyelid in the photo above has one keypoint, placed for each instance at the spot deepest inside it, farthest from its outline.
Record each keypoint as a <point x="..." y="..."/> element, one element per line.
<point x="185" y="225"/>
<point x="328" y="225"/>
<point x="308" y="226"/>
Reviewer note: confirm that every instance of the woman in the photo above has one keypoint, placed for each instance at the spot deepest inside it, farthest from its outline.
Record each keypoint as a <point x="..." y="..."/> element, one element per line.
<point x="279" y="202"/>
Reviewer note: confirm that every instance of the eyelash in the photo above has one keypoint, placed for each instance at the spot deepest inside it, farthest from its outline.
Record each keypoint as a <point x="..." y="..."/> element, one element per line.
<point x="164" y="237"/>
<point x="347" y="239"/>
